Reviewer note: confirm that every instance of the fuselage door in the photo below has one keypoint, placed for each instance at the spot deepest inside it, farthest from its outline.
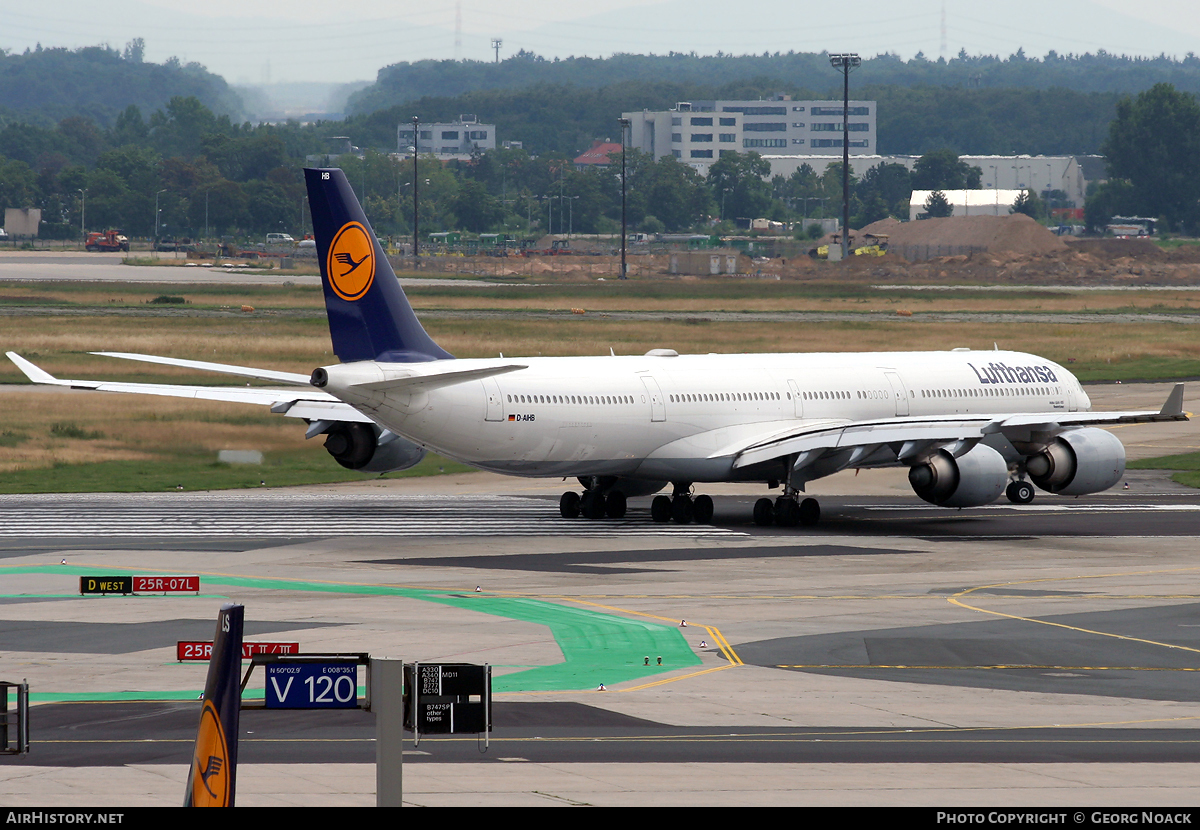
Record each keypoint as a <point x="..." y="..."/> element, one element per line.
<point x="898" y="392"/>
<point x="495" y="401"/>
<point x="797" y="401"/>
<point x="658" y="410"/>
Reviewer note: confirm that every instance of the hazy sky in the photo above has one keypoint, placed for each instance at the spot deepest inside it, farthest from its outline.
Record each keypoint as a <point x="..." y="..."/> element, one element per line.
<point x="316" y="40"/>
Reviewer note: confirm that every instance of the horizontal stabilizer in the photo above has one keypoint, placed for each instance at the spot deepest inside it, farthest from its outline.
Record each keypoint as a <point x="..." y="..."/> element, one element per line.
<point x="296" y="403"/>
<point x="223" y="368"/>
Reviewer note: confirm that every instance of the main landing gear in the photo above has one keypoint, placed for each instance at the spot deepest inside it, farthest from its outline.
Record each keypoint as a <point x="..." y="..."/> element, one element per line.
<point x="787" y="511"/>
<point x="1019" y="492"/>
<point x="593" y="504"/>
<point x="680" y="507"/>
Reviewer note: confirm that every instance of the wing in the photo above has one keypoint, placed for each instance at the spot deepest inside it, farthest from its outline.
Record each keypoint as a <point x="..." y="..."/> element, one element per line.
<point x="822" y="448"/>
<point x="306" y="402"/>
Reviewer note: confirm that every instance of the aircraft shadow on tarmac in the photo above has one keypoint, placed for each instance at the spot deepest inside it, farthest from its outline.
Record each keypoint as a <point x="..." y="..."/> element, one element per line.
<point x="1013" y="654"/>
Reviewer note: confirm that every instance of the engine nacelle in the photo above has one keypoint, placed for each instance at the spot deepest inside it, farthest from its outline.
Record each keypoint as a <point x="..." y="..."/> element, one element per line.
<point x="1079" y="462"/>
<point x="974" y="478"/>
<point x="369" y="448"/>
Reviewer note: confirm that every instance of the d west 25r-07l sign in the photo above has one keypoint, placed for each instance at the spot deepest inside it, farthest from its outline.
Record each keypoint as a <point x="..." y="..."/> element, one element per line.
<point x="139" y="585"/>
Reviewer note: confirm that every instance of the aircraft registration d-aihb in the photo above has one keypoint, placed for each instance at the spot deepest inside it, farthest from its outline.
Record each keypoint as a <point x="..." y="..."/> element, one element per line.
<point x="969" y="425"/>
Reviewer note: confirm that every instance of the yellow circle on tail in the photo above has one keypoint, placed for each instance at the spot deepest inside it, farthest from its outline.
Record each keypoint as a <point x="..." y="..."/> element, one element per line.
<point x="351" y="261"/>
<point x="211" y="776"/>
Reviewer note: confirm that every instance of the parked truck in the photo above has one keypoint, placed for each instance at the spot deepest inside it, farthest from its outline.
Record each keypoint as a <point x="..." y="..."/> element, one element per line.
<point x="110" y="240"/>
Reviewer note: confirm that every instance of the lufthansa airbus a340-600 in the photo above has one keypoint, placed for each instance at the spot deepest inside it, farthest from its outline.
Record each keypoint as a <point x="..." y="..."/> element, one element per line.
<point x="969" y="425"/>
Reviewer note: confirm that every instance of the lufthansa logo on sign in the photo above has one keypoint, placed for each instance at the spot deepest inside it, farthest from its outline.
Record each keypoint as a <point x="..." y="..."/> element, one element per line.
<point x="351" y="261"/>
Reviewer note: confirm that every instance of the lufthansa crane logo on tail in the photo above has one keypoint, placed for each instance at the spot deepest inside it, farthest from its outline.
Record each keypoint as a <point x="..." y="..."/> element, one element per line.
<point x="351" y="261"/>
<point x="210" y="777"/>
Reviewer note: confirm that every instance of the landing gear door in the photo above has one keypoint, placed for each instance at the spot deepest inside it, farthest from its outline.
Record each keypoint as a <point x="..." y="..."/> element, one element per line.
<point x="898" y="392"/>
<point x="658" y="409"/>
<point x="495" y="401"/>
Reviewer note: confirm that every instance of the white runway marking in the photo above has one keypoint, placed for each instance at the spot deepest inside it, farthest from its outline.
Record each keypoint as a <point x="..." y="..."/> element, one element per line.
<point x="1063" y="508"/>
<point x="194" y="515"/>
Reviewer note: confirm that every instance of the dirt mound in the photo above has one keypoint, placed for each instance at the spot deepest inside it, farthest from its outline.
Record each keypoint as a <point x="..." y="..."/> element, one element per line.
<point x="1140" y="249"/>
<point x="1016" y="234"/>
<point x="886" y="226"/>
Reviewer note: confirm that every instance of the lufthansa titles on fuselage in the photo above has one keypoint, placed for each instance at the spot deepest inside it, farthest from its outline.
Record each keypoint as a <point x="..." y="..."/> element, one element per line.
<point x="1003" y="373"/>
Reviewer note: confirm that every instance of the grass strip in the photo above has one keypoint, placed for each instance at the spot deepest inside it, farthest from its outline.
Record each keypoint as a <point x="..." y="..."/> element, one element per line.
<point x="282" y="470"/>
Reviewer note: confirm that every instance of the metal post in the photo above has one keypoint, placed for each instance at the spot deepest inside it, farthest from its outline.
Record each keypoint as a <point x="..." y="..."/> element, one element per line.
<point x="845" y="62"/>
<point x="83" y="212"/>
<point x="156" y="195"/>
<point x="387" y="704"/>
<point x="624" y="122"/>
<point x="416" y="232"/>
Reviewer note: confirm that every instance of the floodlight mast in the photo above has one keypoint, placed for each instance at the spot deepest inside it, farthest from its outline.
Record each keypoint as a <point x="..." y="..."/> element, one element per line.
<point x="416" y="122"/>
<point x="845" y="61"/>
<point x="624" y="122"/>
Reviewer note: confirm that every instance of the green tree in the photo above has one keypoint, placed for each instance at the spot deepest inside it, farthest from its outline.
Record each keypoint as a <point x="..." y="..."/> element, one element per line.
<point x="937" y="206"/>
<point x="883" y="191"/>
<point x="676" y="194"/>
<point x="1154" y="144"/>
<point x="1029" y="204"/>
<point x="477" y="211"/>
<point x="738" y="183"/>
<point x="942" y="170"/>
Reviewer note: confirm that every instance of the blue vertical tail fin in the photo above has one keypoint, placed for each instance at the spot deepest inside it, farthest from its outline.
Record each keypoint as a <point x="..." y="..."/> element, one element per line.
<point x="369" y="316"/>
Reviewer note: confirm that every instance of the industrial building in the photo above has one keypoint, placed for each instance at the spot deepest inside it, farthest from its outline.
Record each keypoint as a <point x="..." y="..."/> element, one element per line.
<point x="698" y="132"/>
<point x="1037" y="173"/>
<point x="967" y="202"/>
<point x="453" y="140"/>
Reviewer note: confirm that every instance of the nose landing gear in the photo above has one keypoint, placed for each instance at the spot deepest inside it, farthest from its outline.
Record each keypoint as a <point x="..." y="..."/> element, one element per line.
<point x="1019" y="492"/>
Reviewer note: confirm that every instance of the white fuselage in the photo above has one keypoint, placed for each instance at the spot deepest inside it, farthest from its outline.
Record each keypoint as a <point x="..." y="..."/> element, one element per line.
<point x="669" y="417"/>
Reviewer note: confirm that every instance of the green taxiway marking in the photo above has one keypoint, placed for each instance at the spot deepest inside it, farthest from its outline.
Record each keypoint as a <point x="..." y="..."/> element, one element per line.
<point x="596" y="647"/>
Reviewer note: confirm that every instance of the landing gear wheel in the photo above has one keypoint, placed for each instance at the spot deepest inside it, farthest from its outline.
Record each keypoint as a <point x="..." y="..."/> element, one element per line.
<point x="568" y="505"/>
<point x="614" y="504"/>
<point x="787" y="512"/>
<point x="1020" y="492"/>
<point x="809" y="512"/>
<point x="702" y="510"/>
<point x="660" y="509"/>
<point x="592" y="504"/>
<point x="681" y="509"/>
<point x="764" y="512"/>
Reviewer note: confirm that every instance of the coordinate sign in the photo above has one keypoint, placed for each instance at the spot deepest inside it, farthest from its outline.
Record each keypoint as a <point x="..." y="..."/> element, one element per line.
<point x="312" y="686"/>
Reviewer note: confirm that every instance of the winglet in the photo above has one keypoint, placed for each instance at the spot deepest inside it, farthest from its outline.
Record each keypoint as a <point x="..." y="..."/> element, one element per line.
<point x="1174" y="403"/>
<point x="32" y="372"/>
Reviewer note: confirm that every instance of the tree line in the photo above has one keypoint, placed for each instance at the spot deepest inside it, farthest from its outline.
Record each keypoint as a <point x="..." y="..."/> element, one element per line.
<point x="43" y="86"/>
<point x="1103" y="72"/>
<point x="186" y="171"/>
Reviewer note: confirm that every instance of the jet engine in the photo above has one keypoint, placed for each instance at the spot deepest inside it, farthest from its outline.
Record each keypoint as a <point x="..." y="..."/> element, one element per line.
<point x="976" y="477"/>
<point x="1078" y="462"/>
<point x="370" y="449"/>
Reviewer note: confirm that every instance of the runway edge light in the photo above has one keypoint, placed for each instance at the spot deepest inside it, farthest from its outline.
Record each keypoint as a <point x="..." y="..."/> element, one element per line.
<point x="213" y="776"/>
